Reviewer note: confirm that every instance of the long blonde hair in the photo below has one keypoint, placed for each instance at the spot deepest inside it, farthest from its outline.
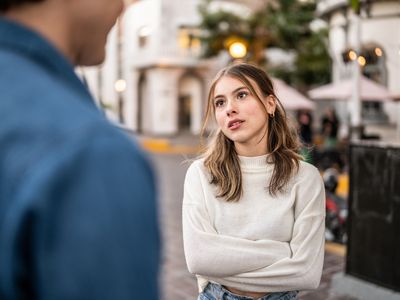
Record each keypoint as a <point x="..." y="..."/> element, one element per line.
<point x="221" y="159"/>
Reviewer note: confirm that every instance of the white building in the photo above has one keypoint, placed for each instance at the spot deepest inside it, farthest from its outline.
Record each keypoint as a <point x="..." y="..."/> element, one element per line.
<point x="154" y="50"/>
<point x="379" y="43"/>
<point x="164" y="81"/>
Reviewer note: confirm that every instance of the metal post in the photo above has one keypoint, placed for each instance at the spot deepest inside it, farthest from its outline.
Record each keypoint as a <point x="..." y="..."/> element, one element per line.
<point x="119" y="73"/>
<point x="355" y="103"/>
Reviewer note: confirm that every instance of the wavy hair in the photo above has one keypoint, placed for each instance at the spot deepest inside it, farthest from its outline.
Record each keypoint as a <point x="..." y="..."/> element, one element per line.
<point x="7" y="4"/>
<point x="221" y="159"/>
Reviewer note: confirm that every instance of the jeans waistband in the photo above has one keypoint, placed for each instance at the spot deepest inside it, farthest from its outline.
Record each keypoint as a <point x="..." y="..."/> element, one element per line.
<point x="220" y="293"/>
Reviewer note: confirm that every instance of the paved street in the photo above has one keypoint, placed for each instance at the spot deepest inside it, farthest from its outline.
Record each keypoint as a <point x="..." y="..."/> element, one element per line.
<point x="177" y="283"/>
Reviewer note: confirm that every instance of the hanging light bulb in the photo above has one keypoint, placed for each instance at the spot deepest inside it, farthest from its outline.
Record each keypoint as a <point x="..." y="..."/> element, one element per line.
<point x="352" y="55"/>
<point x="378" y="52"/>
<point x="361" y="60"/>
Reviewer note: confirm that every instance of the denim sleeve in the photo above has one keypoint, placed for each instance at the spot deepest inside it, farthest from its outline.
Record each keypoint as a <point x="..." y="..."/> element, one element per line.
<point x="86" y="226"/>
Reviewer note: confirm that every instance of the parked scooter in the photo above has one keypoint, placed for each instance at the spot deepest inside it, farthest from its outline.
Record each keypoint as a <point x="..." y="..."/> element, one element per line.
<point x="336" y="209"/>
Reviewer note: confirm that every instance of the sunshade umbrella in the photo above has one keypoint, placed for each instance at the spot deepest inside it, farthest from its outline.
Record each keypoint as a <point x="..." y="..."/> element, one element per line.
<point x="290" y="98"/>
<point x="342" y="90"/>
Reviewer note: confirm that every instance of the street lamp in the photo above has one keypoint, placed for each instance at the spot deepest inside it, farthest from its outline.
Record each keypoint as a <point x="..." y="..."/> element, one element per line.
<point x="378" y="52"/>
<point x="237" y="50"/>
<point x="120" y="86"/>
<point x="352" y="55"/>
<point x="362" y="61"/>
<point x="237" y="47"/>
<point x="355" y="103"/>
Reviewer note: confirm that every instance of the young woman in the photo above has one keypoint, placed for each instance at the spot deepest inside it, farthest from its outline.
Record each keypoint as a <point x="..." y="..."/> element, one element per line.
<point x="253" y="212"/>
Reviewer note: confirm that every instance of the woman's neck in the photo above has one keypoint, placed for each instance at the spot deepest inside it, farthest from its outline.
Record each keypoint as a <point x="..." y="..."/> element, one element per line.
<point x="243" y="150"/>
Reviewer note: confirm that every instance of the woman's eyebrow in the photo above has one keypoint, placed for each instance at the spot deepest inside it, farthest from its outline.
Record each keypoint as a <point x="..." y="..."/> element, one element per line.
<point x="232" y="93"/>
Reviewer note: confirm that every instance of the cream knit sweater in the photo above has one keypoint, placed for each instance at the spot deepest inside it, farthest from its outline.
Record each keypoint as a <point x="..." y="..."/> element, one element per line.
<point x="260" y="243"/>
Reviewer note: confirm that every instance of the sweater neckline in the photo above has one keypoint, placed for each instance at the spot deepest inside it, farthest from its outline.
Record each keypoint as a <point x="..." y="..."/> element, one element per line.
<point x="254" y="161"/>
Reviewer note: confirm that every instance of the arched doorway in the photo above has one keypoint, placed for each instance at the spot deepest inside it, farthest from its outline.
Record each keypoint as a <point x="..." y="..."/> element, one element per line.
<point x="190" y="103"/>
<point x="185" y="112"/>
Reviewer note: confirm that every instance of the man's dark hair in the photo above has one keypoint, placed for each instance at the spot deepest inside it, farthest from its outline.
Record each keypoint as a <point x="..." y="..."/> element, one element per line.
<point x="7" y="4"/>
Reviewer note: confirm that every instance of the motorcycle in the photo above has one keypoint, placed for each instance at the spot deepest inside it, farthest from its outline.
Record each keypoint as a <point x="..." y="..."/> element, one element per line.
<point x="336" y="209"/>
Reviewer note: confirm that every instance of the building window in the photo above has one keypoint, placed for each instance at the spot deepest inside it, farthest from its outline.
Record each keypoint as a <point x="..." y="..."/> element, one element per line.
<point x="143" y="35"/>
<point x="189" y="39"/>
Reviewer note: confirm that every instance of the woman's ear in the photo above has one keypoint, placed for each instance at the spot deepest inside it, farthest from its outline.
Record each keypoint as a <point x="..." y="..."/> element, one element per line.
<point x="270" y="104"/>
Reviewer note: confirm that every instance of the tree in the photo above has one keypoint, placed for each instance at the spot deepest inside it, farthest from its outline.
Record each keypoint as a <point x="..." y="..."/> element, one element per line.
<point x="284" y="24"/>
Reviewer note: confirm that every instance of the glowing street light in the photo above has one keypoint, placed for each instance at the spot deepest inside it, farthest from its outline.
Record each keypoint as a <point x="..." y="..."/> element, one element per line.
<point x="352" y="55"/>
<point x="361" y="60"/>
<point x="236" y="46"/>
<point x="378" y="52"/>
<point x="120" y="85"/>
<point x="237" y="50"/>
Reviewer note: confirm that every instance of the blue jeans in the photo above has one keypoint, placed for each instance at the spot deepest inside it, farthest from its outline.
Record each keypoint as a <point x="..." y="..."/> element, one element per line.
<point x="215" y="291"/>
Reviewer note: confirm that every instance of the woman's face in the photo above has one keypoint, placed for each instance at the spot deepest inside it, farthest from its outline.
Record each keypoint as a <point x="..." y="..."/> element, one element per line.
<point x="241" y="116"/>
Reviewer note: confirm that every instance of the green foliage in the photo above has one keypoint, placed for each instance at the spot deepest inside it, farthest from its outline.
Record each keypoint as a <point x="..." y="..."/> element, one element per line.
<point x="219" y="27"/>
<point x="284" y="24"/>
<point x="287" y="22"/>
<point x="355" y="5"/>
<point x="313" y="61"/>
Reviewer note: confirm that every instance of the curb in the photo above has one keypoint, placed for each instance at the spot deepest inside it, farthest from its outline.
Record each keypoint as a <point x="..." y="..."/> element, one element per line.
<point x="166" y="147"/>
<point x="334" y="248"/>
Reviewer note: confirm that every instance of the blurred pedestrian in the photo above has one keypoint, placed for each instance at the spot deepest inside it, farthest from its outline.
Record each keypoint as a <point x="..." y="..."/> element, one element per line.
<point x="305" y="120"/>
<point x="330" y="127"/>
<point x="304" y="123"/>
<point x="253" y="212"/>
<point x="77" y="196"/>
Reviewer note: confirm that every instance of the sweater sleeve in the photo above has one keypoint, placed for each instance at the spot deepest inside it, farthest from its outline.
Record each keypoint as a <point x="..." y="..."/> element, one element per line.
<point x="302" y="270"/>
<point x="211" y="254"/>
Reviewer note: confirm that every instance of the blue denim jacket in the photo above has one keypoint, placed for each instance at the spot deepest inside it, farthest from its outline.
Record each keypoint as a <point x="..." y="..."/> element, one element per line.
<point x="77" y="197"/>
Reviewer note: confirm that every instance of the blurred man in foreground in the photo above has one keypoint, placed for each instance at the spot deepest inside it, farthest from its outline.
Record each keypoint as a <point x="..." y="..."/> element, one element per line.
<point x="77" y="196"/>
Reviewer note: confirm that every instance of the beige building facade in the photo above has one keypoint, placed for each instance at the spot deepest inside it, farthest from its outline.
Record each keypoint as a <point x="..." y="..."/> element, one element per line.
<point x="154" y="80"/>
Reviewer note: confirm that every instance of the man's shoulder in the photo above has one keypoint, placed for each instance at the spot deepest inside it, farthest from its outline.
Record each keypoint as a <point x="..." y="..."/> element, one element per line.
<point x="97" y="151"/>
<point x="97" y="137"/>
<point x="47" y="116"/>
<point x="48" y="105"/>
<point x="15" y="64"/>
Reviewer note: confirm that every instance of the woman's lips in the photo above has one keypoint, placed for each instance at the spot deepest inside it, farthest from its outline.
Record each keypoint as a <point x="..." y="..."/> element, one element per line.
<point x="235" y="124"/>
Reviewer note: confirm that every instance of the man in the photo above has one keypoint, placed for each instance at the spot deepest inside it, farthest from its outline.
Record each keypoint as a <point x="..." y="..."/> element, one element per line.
<point x="77" y="197"/>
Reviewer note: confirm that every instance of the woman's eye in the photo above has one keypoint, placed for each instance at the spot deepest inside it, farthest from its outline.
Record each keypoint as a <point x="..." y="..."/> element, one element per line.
<point x="242" y="95"/>
<point x="219" y="103"/>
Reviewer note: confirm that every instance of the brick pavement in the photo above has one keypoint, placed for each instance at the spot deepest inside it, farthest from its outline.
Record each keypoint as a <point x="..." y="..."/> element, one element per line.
<point x="176" y="282"/>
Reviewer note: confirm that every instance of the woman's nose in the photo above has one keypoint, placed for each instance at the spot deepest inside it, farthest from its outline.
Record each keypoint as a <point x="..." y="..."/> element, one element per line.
<point x="230" y="108"/>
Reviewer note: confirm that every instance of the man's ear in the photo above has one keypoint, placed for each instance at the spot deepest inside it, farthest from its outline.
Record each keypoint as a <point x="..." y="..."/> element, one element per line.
<point x="270" y="104"/>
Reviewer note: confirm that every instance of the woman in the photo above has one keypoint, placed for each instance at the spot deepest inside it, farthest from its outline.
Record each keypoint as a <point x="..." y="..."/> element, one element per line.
<point x="253" y="212"/>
